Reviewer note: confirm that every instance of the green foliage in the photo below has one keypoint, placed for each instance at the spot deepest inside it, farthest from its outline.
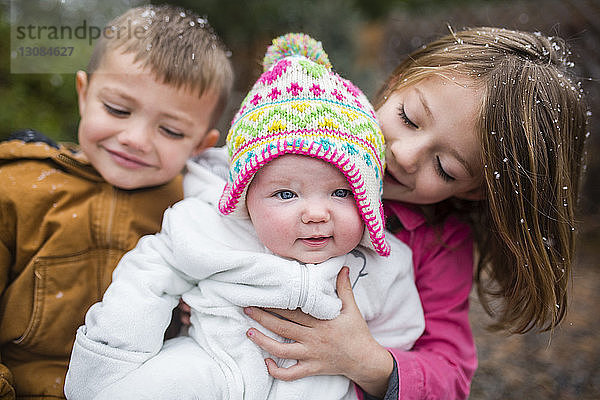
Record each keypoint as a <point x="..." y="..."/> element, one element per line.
<point x="248" y="27"/>
<point x="44" y="102"/>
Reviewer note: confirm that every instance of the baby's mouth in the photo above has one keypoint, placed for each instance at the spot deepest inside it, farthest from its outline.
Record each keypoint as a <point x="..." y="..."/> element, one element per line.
<point x="316" y="241"/>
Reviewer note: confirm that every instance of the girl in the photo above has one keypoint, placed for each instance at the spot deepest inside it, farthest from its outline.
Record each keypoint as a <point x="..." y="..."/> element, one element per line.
<point x="485" y="130"/>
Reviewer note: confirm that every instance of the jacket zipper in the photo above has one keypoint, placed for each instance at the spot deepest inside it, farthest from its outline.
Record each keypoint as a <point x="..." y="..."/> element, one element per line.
<point x="303" y="285"/>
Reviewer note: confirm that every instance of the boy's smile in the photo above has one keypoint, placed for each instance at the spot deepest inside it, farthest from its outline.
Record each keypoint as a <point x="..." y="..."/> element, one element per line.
<point x="135" y="130"/>
<point x="127" y="160"/>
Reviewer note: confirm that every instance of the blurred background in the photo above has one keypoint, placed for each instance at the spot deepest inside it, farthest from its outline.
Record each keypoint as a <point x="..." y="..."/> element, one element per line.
<point x="365" y="39"/>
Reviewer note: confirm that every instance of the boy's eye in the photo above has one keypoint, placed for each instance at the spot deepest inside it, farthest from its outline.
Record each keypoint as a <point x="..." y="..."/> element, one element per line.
<point x="285" y="194"/>
<point x="117" y="112"/>
<point x="405" y="119"/>
<point x="170" y="133"/>
<point x="343" y="193"/>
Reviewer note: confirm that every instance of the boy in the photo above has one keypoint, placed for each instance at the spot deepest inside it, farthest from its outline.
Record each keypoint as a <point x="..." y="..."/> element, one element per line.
<point x="148" y="102"/>
<point x="304" y="194"/>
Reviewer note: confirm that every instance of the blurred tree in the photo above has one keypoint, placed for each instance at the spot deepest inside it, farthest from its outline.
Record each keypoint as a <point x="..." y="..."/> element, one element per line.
<point x="248" y="27"/>
<point x="44" y="102"/>
<point x="47" y="102"/>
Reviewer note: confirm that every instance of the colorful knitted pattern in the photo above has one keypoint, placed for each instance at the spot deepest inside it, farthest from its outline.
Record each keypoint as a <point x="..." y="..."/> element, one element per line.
<point x="300" y="106"/>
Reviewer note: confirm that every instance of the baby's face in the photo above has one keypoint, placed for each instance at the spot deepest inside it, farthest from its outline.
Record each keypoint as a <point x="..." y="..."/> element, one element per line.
<point x="303" y="208"/>
<point x="134" y="129"/>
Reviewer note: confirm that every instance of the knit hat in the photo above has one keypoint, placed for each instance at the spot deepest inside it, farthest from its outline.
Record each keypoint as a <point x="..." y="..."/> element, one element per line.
<point x="300" y="106"/>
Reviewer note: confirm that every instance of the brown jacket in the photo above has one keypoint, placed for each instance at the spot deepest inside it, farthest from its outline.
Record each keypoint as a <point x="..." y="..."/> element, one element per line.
<point x="62" y="231"/>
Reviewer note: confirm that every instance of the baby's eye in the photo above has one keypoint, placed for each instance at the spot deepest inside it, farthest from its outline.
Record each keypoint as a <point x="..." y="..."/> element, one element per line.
<point x="285" y="194"/>
<point x="117" y="112"/>
<point x="341" y="193"/>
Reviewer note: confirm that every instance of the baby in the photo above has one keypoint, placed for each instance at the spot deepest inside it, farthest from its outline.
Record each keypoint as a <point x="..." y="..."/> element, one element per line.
<point x="302" y="200"/>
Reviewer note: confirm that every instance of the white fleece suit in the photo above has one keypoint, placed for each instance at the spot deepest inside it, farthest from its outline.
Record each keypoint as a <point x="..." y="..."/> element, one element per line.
<point x="218" y="266"/>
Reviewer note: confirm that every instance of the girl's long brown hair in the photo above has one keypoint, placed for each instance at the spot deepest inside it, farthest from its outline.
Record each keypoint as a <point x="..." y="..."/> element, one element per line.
<point x="532" y="127"/>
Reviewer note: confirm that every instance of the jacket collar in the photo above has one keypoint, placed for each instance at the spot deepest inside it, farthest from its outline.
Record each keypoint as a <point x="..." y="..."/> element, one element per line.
<point x="76" y="163"/>
<point x="67" y="156"/>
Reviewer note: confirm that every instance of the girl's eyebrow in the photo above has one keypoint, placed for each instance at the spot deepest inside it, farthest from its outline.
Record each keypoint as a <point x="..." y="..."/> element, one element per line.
<point x="424" y="103"/>
<point x="461" y="160"/>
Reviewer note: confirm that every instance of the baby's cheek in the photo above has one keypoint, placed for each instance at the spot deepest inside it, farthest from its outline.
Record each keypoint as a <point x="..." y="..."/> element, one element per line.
<point x="273" y="236"/>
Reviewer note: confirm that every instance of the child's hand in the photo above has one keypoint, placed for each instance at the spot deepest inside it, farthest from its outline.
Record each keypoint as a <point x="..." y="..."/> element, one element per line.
<point x="180" y="319"/>
<point x="184" y="312"/>
<point x="342" y="346"/>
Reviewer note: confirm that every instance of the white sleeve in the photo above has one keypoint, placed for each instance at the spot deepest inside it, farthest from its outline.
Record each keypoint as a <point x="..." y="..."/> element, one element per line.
<point x="127" y="327"/>
<point x="264" y="280"/>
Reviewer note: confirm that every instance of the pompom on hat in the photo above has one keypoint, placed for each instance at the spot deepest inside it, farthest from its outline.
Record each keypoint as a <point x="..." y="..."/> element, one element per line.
<point x="300" y="106"/>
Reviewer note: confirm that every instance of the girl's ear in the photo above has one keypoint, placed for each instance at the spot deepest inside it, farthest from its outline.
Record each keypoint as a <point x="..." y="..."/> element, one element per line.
<point x="473" y="194"/>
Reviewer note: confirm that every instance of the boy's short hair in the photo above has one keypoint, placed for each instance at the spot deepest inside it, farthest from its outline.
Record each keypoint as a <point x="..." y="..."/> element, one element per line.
<point x="177" y="45"/>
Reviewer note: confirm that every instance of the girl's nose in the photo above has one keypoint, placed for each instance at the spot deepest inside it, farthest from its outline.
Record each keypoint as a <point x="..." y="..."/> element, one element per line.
<point x="315" y="211"/>
<point x="407" y="154"/>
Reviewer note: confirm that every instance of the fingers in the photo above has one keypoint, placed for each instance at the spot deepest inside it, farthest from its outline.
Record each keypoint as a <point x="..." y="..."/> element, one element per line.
<point x="184" y="312"/>
<point x="296" y="316"/>
<point x="316" y="344"/>
<point x="292" y="350"/>
<point x="282" y="327"/>
<point x="344" y="289"/>
<point x="185" y="318"/>
<point x="294" y="372"/>
<point x="184" y="306"/>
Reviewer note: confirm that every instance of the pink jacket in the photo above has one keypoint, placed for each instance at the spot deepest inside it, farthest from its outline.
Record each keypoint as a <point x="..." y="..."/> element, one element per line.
<point x="443" y="360"/>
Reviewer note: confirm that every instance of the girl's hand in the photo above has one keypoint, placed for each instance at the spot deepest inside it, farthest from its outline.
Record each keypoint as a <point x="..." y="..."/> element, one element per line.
<point x="342" y="346"/>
